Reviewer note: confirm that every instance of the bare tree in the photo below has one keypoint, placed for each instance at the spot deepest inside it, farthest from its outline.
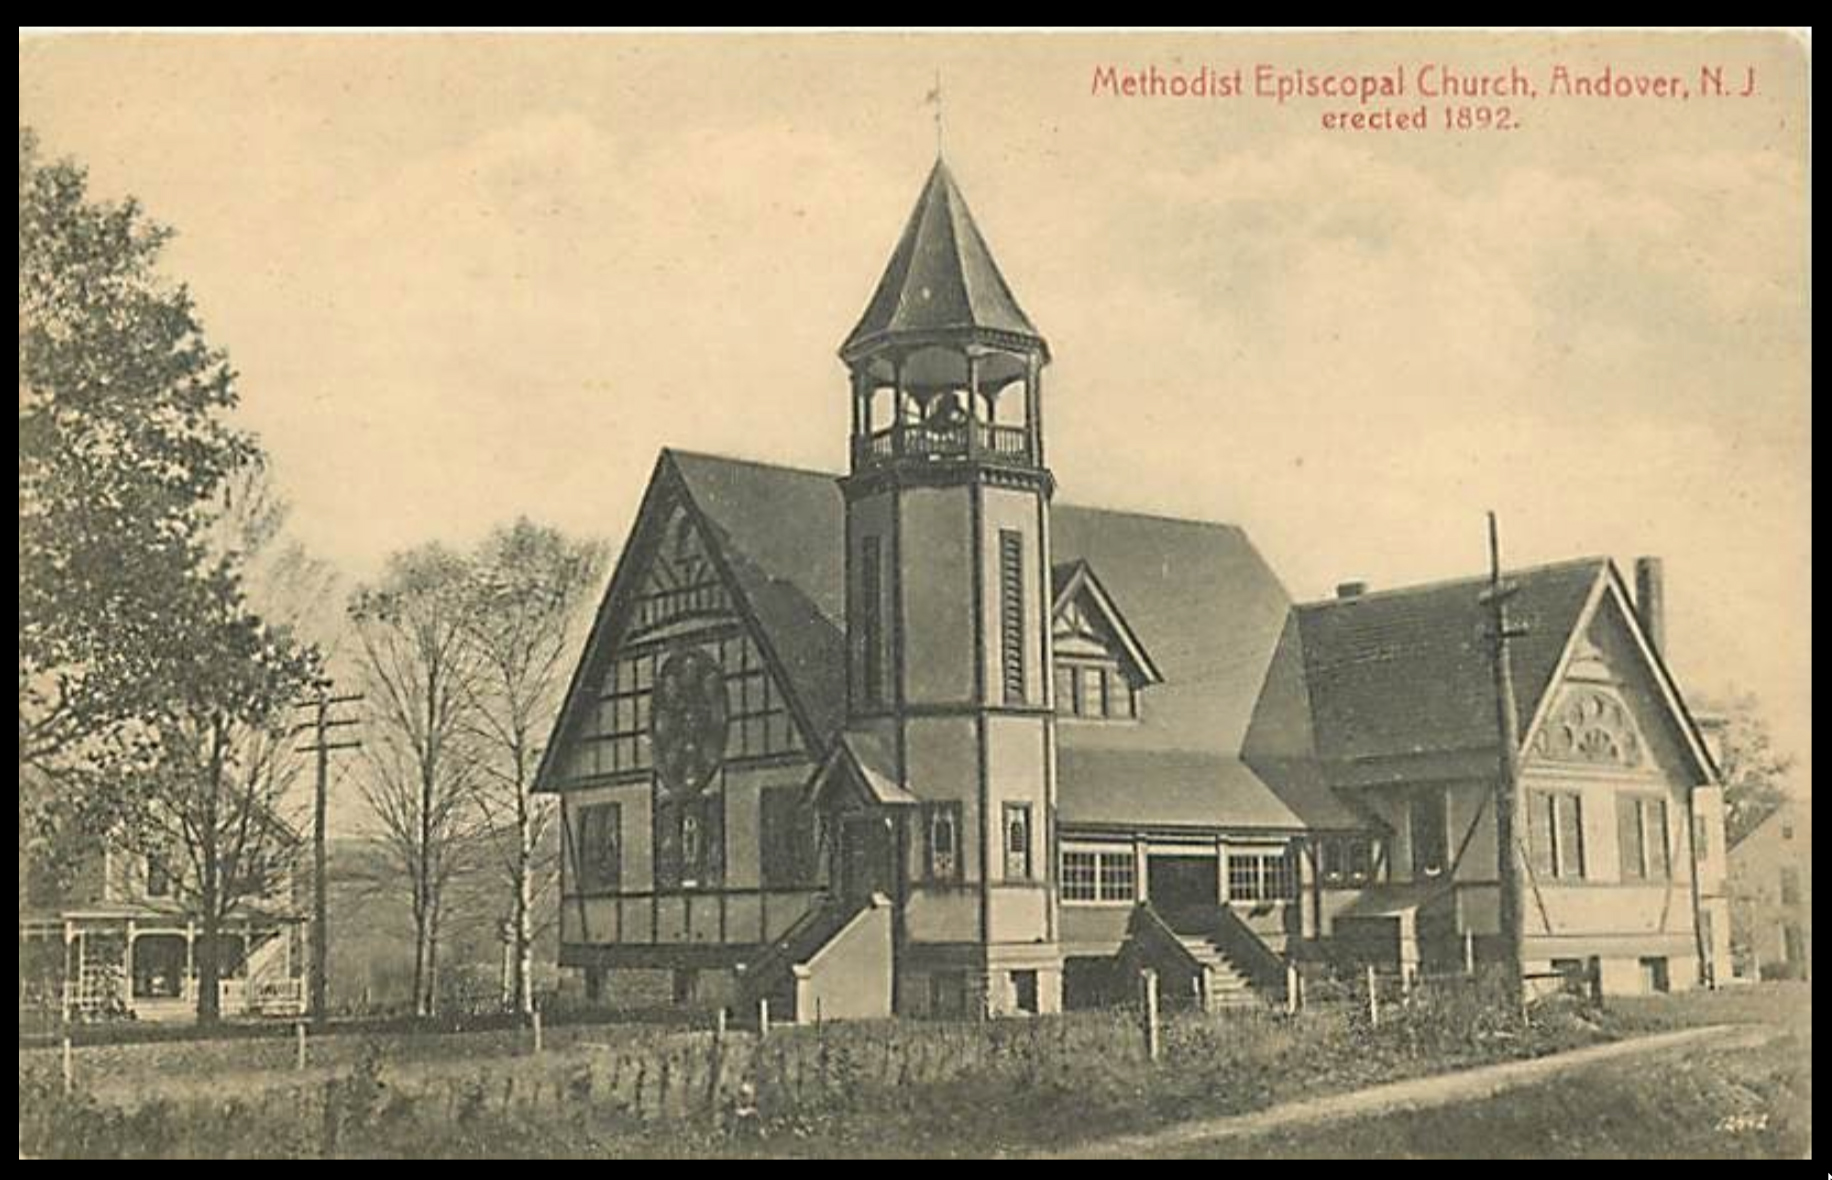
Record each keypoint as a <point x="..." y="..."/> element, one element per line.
<point x="531" y="588"/>
<point x="419" y="666"/>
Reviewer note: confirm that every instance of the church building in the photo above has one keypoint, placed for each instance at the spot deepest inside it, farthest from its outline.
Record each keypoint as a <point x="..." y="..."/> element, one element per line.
<point x="922" y="738"/>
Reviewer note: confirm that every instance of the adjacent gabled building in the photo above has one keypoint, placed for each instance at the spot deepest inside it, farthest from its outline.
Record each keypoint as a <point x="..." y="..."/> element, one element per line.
<point x="1771" y="891"/>
<point x="921" y="738"/>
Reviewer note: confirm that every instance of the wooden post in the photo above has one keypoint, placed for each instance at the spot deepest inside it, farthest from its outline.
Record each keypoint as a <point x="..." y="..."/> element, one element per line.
<point x="763" y="1017"/>
<point x="1292" y="984"/>
<point x="69" y="1066"/>
<point x="1469" y="952"/>
<point x="718" y="1026"/>
<point x="1373" y="1000"/>
<point x="1508" y="818"/>
<point x="299" y="1045"/>
<point x="1152" y="1040"/>
<point x="536" y="1016"/>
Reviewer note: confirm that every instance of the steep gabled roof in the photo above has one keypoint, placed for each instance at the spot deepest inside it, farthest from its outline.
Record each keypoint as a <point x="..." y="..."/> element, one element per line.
<point x="1400" y="674"/>
<point x="1071" y="579"/>
<point x="941" y="278"/>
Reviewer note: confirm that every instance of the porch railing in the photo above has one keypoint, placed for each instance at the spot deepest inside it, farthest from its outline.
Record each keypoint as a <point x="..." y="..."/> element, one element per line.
<point x="967" y="440"/>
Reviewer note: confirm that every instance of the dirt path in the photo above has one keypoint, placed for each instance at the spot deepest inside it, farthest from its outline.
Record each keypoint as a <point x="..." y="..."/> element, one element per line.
<point x="1411" y="1094"/>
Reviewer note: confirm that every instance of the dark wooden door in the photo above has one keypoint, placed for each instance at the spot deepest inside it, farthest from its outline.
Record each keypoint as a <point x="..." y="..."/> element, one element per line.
<point x="865" y="857"/>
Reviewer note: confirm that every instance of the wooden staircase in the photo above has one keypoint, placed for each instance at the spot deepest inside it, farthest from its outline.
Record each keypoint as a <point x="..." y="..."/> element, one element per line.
<point x="1227" y="985"/>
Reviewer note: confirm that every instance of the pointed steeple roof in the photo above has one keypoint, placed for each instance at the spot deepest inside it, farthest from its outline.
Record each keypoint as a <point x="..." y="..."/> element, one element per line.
<point x="941" y="281"/>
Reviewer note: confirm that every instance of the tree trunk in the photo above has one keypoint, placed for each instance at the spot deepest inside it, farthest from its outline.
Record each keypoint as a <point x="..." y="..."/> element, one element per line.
<point x="209" y="863"/>
<point x="524" y="892"/>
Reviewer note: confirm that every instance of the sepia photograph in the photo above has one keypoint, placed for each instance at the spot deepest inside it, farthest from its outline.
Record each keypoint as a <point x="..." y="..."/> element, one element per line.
<point x="915" y="593"/>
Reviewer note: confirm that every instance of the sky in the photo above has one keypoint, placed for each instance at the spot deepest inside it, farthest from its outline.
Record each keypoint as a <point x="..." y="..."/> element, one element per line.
<point x="465" y="278"/>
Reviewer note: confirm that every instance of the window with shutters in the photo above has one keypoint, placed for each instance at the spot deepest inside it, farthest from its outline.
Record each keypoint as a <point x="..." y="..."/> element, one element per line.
<point x="1641" y="837"/>
<point x="1011" y="614"/>
<point x="1555" y="834"/>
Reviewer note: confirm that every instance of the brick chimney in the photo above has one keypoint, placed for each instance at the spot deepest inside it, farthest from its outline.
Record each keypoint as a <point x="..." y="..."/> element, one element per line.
<point x="1347" y="590"/>
<point x="1651" y="601"/>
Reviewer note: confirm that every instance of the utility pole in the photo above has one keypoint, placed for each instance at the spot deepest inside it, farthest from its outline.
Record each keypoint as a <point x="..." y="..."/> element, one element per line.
<point x="320" y="726"/>
<point x="1507" y="778"/>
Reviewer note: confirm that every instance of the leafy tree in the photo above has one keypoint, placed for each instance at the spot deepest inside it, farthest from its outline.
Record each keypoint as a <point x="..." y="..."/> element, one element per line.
<point x="531" y="588"/>
<point x="1754" y="772"/>
<point x="123" y="448"/>
<point x="212" y="804"/>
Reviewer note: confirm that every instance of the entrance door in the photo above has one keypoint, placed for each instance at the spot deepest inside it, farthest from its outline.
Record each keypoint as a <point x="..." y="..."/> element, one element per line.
<point x="865" y="857"/>
<point x="1179" y="885"/>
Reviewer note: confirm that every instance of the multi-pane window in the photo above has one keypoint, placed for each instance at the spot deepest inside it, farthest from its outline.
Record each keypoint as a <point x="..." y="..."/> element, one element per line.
<point x="758" y="721"/>
<point x="941" y="835"/>
<point x="616" y="737"/>
<point x="1347" y="860"/>
<point x="1017" y="841"/>
<point x="871" y="621"/>
<point x="1095" y="691"/>
<point x="1641" y="836"/>
<point x="598" y="840"/>
<point x="1555" y="834"/>
<point x="1089" y="875"/>
<point x="1011" y="614"/>
<point x="1261" y="876"/>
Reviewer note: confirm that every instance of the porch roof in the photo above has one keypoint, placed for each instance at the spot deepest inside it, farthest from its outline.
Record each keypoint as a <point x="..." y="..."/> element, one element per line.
<point x="1184" y="788"/>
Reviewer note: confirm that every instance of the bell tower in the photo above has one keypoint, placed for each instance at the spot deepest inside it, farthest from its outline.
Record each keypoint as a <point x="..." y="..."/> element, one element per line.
<point x="948" y="611"/>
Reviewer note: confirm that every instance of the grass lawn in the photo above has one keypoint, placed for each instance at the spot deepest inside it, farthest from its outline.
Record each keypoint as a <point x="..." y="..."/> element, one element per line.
<point x="918" y="1089"/>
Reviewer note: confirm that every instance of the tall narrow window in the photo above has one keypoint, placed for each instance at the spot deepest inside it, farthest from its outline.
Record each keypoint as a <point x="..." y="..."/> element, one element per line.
<point x="871" y="621"/>
<point x="158" y="876"/>
<point x="1430" y="833"/>
<point x="1017" y="842"/>
<point x="1555" y="834"/>
<point x="598" y="842"/>
<point x="785" y="831"/>
<point x="1011" y="614"/>
<point x="942" y="837"/>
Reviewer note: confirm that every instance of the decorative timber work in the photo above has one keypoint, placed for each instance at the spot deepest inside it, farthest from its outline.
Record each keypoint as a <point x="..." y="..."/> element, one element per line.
<point x="1590" y="726"/>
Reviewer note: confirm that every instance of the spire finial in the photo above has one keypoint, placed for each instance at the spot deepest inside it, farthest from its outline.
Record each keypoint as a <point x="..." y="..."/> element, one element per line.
<point x="934" y="99"/>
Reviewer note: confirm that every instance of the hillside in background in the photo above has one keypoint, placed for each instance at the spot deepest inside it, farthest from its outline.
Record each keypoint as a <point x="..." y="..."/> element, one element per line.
<point x="371" y="933"/>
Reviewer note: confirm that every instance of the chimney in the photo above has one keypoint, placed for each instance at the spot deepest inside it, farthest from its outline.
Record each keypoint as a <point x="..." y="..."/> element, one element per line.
<point x="1651" y="602"/>
<point x="1346" y="590"/>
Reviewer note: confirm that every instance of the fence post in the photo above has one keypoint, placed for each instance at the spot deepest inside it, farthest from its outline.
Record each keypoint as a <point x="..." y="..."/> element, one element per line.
<point x="1373" y="1000"/>
<point x="1293" y="983"/>
<point x="299" y="1045"/>
<point x="763" y="1017"/>
<point x="69" y="1066"/>
<point x="536" y="1015"/>
<point x="1152" y="1046"/>
<point x="1469" y="952"/>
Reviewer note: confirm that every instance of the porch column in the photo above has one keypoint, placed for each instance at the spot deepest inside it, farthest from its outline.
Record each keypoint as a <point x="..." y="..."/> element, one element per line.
<point x="1140" y="870"/>
<point x="1224" y="890"/>
<point x="187" y="987"/>
<point x="129" y="967"/>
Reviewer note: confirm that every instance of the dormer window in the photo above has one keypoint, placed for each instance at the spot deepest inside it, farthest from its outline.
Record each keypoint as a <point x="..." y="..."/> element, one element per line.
<point x="1095" y="691"/>
<point x="1100" y="665"/>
